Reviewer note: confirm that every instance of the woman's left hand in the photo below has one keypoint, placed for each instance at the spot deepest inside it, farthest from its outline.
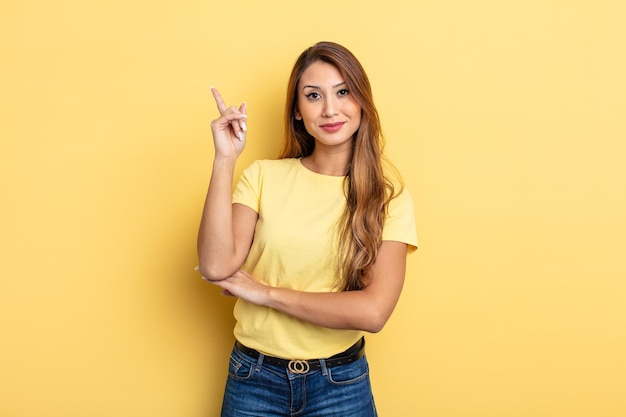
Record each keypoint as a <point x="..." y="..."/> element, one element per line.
<point x="243" y="285"/>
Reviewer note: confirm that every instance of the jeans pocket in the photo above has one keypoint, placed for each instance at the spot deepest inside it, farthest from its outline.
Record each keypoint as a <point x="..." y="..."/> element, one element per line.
<point x="350" y="373"/>
<point x="239" y="368"/>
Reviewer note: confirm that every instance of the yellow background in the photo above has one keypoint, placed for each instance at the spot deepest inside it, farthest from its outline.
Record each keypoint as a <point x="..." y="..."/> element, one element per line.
<point x="507" y="119"/>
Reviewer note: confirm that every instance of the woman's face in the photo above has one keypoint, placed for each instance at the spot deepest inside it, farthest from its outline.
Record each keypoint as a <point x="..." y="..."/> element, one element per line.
<point x="329" y="112"/>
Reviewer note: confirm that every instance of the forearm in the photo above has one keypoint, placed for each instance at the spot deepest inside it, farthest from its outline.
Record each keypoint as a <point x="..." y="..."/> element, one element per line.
<point x="367" y="309"/>
<point x="356" y="310"/>
<point x="216" y="243"/>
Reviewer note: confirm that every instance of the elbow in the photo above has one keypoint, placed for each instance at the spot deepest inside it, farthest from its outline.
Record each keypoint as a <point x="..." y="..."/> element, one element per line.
<point x="375" y="322"/>
<point x="374" y="327"/>
<point x="215" y="272"/>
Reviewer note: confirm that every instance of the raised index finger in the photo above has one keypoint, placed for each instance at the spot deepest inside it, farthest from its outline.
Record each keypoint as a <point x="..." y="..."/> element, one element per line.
<point x="221" y="106"/>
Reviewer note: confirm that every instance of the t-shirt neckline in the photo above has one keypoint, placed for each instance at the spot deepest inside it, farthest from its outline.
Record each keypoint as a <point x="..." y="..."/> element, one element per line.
<point x="317" y="174"/>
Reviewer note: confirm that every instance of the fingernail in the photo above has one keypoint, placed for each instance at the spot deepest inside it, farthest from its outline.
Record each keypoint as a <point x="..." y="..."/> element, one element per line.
<point x="240" y="135"/>
<point x="212" y="87"/>
<point x="197" y="268"/>
<point x="243" y="126"/>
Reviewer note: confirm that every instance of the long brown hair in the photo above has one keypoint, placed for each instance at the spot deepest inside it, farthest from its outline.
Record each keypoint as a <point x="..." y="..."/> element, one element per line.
<point x="367" y="188"/>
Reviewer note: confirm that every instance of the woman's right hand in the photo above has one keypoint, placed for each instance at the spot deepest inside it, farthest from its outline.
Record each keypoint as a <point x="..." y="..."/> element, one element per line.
<point x="229" y="130"/>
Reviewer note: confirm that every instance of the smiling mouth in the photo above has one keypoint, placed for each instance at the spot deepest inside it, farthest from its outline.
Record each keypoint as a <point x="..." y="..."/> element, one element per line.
<point x="332" y="127"/>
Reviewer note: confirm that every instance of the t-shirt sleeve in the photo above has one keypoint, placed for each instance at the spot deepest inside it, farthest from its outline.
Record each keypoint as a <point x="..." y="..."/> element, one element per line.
<point x="248" y="188"/>
<point x="400" y="222"/>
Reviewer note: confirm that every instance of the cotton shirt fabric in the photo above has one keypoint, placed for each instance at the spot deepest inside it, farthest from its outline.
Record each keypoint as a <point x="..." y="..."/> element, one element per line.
<point x="294" y="247"/>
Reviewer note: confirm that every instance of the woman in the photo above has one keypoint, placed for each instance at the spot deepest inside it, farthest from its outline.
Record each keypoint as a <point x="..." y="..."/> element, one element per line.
<point x="313" y="244"/>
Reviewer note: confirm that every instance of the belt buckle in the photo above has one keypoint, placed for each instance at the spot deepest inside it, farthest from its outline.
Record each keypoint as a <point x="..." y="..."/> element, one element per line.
<point x="298" y="366"/>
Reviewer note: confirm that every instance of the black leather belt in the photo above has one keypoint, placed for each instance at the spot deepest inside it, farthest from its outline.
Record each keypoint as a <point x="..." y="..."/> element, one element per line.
<point x="296" y="366"/>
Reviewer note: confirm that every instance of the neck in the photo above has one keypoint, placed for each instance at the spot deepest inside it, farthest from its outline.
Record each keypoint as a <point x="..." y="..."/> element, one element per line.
<point x="326" y="162"/>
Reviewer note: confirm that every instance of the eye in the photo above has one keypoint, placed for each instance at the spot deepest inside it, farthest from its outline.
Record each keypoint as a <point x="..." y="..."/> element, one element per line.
<point x="313" y="95"/>
<point x="343" y="92"/>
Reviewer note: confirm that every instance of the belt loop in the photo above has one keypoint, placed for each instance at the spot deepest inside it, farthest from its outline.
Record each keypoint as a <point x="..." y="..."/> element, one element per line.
<point x="259" y="362"/>
<point x="323" y="367"/>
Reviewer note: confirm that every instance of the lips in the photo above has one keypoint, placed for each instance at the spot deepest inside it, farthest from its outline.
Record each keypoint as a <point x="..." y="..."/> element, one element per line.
<point x="332" y="127"/>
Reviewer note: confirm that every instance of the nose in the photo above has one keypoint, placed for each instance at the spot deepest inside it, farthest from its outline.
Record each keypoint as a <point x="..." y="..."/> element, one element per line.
<point x="331" y="107"/>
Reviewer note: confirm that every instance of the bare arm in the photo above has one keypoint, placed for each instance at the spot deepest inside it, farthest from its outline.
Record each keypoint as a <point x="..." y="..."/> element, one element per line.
<point x="226" y="229"/>
<point x="367" y="309"/>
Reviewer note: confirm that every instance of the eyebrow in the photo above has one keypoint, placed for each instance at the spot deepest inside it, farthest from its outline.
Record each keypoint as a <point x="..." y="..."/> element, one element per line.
<point x="316" y="86"/>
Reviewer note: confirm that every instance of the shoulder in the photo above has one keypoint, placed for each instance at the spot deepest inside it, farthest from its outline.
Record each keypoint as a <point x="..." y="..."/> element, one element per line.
<point x="403" y="195"/>
<point x="401" y="202"/>
<point x="272" y="166"/>
<point x="400" y="221"/>
<point x="264" y="172"/>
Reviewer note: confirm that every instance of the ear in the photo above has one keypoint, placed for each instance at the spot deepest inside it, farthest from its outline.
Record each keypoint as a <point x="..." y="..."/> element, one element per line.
<point x="297" y="115"/>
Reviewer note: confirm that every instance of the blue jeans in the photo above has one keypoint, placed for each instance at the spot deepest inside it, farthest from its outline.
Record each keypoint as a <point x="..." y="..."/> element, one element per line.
<point x="258" y="389"/>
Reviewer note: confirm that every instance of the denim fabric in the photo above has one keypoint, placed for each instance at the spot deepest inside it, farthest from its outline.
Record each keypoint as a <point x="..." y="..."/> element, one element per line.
<point x="261" y="390"/>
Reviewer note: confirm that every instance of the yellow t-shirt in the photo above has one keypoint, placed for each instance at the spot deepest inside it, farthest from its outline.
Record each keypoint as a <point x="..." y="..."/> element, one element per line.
<point x="293" y="247"/>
